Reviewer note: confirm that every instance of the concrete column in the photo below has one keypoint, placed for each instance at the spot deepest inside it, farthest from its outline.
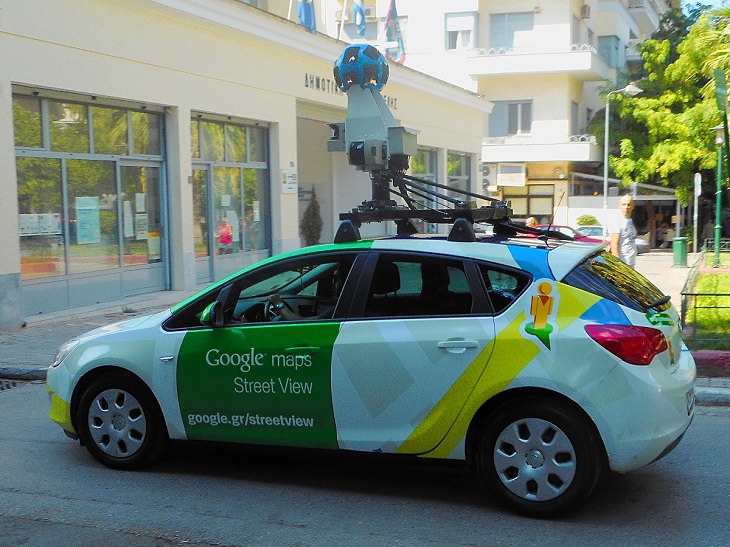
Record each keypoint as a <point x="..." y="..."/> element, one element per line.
<point x="11" y="301"/>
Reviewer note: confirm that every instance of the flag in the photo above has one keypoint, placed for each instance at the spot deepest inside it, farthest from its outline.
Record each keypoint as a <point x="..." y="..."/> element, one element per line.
<point x="359" y="12"/>
<point x="305" y="13"/>
<point x="393" y="34"/>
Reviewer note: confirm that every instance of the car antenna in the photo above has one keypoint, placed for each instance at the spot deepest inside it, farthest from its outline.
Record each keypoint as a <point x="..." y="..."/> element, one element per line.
<point x="552" y="218"/>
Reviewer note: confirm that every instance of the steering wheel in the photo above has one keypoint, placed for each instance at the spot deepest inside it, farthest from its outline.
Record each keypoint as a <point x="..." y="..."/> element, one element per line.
<point x="273" y="314"/>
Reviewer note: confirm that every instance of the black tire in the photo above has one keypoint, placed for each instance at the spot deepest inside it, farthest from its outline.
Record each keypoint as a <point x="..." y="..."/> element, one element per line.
<point x="120" y="423"/>
<point x="538" y="456"/>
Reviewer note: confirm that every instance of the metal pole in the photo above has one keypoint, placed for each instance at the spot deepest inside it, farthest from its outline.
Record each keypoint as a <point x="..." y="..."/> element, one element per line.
<point x="718" y="207"/>
<point x="605" y="153"/>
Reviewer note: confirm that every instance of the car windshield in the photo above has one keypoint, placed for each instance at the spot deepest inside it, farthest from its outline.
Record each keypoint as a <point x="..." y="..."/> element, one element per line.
<point x="605" y="275"/>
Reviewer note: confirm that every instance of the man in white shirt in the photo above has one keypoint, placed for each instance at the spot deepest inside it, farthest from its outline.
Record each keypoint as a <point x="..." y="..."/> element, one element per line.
<point x="623" y="233"/>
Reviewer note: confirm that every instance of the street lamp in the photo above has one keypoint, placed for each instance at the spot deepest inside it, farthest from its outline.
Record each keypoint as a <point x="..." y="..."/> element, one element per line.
<point x="633" y="90"/>
<point x="719" y="141"/>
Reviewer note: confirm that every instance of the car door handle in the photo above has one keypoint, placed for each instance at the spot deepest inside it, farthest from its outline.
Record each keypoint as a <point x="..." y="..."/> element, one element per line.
<point x="302" y="349"/>
<point x="458" y="345"/>
<point x="167" y="358"/>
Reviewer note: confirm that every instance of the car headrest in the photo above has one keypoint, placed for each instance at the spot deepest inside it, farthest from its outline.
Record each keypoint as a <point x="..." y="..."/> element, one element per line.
<point x="386" y="278"/>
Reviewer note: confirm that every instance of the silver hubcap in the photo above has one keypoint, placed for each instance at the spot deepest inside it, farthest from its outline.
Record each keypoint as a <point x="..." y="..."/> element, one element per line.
<point x="117" y="423"/>
<point x="534" y="459"/>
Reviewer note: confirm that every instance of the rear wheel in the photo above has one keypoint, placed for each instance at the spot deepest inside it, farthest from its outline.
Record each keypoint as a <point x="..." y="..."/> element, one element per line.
<point x="539" y="457"/>
<point x="120" y="423"/>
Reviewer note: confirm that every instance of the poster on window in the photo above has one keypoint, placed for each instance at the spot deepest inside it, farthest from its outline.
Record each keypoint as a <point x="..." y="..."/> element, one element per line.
<point x="88" y="222"/>
<point x="141" y="225"/>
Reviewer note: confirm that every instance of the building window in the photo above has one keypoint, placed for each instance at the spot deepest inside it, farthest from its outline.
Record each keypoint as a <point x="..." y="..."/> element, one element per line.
<point x="461" y="30"/>
<point x="458" y="171"/>
<point x="534" y="200"/>
<point x="84" y="214"/>
<point x="230" y="175"/>
<point x="510" y="118"/>
<point x="504" y="26"/>
<point x="608" y="48"/>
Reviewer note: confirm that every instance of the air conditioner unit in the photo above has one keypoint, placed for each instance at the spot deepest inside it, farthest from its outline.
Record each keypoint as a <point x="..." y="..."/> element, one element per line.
<point x="369" y="13"/>
<point x="342" y="16"/>
<point x="489" y="177"/>
<point x="585" y="11"/>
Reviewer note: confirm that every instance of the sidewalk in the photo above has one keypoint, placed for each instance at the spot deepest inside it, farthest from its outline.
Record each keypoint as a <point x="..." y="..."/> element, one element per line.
<point x="26" y="353"/>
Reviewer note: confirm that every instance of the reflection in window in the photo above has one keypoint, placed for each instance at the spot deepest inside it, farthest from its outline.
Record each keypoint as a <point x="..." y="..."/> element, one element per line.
<point x="459" y="171"/>
<point x="110" y="130"/>
<point x="94" y="238"/>
<point x="141" y="215"/>
<point x="27" y="122"/>
<point x="41" y="210"/>
<point x="69" y="127"/>
<point x="147" y="138"/>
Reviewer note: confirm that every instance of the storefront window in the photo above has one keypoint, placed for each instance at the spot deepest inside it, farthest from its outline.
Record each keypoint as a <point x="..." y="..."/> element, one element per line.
<point x="74" y="215"/>
<point x="110" y="130"/>
<point x="147" y="134"/>
<point x="93" y="216"/>
<point x="141" y="223"/>
<point x="459" y="171"/>
<point x="40" y="219"/>
<point x="69" y="127"/>
<point x="230" y="196"/>
<point x="27" y="121"/>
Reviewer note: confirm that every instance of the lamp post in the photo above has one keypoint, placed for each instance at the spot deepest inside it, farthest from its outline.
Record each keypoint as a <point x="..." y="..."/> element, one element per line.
<point x="719" y="141"/>
<point x="633" y="90"/>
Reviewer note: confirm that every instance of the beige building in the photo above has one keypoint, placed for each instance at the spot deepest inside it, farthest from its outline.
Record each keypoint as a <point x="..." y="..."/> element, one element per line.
<point x="132" y="133"/>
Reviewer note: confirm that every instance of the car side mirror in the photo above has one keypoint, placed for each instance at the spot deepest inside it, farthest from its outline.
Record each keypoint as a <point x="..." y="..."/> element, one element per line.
<point x="212" y="315"/>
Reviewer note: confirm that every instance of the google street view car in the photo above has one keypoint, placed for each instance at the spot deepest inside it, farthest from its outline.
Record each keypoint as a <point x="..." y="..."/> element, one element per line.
<point x="540" y="362"/>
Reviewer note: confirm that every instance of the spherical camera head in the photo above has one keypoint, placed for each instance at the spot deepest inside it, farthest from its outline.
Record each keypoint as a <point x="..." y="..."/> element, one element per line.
<point x="361" y="64"/>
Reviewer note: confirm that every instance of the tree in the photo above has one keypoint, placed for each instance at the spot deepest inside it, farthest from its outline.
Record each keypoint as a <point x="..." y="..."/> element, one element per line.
<point x="311" y="227"/>
<point x="665" y="133"/>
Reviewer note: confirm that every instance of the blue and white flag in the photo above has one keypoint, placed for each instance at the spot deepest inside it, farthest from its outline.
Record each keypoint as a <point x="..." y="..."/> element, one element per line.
<point x="359" y="12"/>
<point x="305" y="13"/>
<point x="393" y="34"/>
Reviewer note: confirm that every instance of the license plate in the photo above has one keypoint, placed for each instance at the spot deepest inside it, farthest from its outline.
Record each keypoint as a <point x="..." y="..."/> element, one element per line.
<point x="690" y="401"/>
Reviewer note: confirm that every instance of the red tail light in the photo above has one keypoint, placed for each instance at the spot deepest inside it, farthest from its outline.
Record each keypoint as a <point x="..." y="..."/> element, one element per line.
<point x="635" y="345"/>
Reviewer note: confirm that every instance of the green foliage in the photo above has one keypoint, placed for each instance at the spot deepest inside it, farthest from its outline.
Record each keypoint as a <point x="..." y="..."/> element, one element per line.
<point x="311" y="227"/>
<point x="664" y="135"/>
<point x="587" y="220"/>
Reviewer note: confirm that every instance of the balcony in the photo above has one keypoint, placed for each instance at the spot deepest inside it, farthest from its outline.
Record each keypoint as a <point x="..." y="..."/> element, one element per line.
<point x="647" y="14"/>
<point x="579" y="60"/>
<point x="527" y="148"/>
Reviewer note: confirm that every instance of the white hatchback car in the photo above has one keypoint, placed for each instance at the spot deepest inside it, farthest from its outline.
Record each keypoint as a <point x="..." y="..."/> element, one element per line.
<point x="538" y="363"/>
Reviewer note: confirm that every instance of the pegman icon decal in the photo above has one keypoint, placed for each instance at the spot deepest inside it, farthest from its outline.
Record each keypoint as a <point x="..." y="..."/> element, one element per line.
<point x="541" y="307"/>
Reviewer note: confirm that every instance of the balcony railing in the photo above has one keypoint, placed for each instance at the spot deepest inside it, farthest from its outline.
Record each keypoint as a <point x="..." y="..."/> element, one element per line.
<point x="530" y="50"/>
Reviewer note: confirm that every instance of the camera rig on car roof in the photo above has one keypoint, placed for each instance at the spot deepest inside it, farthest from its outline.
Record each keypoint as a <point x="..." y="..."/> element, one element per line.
<point x="375" y="143"/>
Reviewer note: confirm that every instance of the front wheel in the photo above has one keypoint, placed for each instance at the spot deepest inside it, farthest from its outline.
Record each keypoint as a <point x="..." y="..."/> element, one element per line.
<point x="120" y="423"/>
<point x="539" y="457"/>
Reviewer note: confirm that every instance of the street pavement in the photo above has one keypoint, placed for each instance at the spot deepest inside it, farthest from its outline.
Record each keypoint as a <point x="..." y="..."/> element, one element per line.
<point x="26" y="353"/>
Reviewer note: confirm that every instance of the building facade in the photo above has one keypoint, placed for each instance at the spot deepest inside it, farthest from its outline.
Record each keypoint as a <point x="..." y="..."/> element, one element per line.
<point x="160" y="144"/>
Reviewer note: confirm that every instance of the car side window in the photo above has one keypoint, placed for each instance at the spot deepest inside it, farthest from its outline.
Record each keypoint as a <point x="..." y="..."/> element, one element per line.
<point x="418" y="286"/>
<point x="503" y="286"/>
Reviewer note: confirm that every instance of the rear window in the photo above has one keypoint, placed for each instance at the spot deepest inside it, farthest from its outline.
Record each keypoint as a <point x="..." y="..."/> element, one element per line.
<point x="605" y="275"/>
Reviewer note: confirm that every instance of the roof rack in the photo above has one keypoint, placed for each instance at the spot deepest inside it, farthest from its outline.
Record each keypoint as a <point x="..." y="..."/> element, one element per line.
<point x="375" y="143"/>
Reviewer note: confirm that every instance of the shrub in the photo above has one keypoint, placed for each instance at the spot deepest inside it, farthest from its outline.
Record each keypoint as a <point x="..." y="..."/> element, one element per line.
<point x="587" y="220"/>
